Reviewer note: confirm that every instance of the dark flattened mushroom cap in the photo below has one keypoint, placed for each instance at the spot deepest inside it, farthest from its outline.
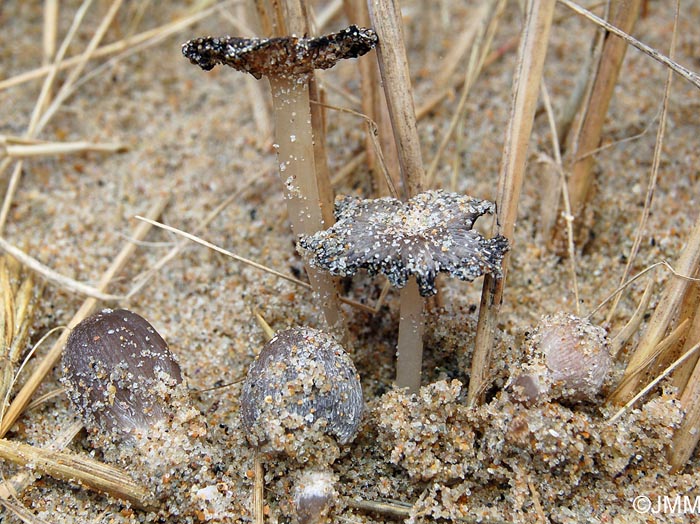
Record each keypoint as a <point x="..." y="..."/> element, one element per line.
<point x="301" y="379"/>
<point x="286" y="56"/>
<point x="119" y="372"/>
<point x="429" y="234"/>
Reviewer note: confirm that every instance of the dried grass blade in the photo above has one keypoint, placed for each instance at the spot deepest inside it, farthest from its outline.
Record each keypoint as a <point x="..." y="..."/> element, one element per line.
<point x="76" y="468"/>
<point x="624" y="13"/>
<point x="673" y="294"/>
<point x="680" y="70"/>
<point x="62" y="148"/>
<point x="528" y="77"/>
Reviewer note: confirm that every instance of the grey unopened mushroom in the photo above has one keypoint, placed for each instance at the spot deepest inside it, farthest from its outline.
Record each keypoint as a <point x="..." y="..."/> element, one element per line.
<point x="567" y="359"/>
<point x="287" y="62"/>
<point x="411" y="243"/>
<point x="120" y="373"/>
<point x="301" y="395"/>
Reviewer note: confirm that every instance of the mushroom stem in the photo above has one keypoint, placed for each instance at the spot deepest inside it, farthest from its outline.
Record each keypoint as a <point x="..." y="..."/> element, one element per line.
<point x="410" y="349"/>
<point x="295" y="155"/>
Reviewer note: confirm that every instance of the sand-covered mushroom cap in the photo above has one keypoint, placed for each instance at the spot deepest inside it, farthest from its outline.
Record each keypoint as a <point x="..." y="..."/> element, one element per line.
<point x="302" y="383"/>
<point x="568" y="359"/>
<point x="284" y="56"/>
<point x="119" y="372"/>
<point x="428" y="234"/>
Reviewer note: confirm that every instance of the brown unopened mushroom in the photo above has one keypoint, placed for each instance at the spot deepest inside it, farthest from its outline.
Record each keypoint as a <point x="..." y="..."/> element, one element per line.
<point x="119" y="373"/>
<point x="411" y="243"/>
<point x="302" y="393"/>
<point x="568" y="359"/>
<point x="287" y="62"/>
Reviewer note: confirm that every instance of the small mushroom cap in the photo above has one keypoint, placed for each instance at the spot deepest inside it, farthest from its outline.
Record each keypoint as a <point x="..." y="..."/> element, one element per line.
<point x="119" y="372"/>
<point x="428" y="234"/>
<point x="286" y="56"/>
<point x="568" y="359"/>
<point x="301" y="379"/>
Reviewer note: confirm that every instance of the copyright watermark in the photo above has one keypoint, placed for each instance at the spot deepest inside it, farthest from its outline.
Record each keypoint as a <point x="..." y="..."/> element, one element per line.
<point x="667" y="505"/>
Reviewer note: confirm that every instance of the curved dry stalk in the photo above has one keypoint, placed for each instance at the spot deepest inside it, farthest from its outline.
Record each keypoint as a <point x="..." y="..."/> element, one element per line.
<point x="396" y="78"/>
<point x="246" y="261"/>
<point x="653" y="175"/>
<point x="78" y="468"/>
<point x="677" y="68"/>
<point x="528" y="76"/>
<point x="654" y="382"/>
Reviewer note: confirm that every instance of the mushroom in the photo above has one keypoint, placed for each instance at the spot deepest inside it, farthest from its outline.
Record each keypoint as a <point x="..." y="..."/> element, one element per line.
<point x="287" y="63"/>
<point x="301" y="388"/>
<point x="302" y="397"/>
<point x="409" y="242"/>
<point x="568" y="359"/>
<point x="120" y="374"/>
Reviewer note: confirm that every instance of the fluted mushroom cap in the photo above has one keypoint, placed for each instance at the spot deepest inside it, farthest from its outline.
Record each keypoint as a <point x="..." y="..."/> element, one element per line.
<point x="428" y="234"/>
<point x="301" y="379"/>
<point x="284" y="57"/>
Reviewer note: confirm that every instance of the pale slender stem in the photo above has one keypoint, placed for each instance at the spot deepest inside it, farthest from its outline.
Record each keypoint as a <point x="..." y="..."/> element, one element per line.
<point x="410" y="350"/>
<point x="295" y="156"/>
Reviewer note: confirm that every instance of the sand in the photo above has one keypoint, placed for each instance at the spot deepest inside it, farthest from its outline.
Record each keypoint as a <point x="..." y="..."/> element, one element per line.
<point x="192" y="136"/>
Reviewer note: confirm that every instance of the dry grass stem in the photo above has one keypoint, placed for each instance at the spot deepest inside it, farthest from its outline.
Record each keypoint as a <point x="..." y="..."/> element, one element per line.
<point x="632" y="326"/>
<point x="654" y="382"/>
<point x="80" y="469"/>
<point x="568" y="217"/>
<point x="141" y="280"/>
<point x="462" y="43"/>
<point x="258" y="490"/>
<point x="247" y="261"/>
<point x="61" y="148"/>
<point x="680" y="70"/>
<point x="633" y="375"/>
<point x="671" y="298"/>
<point x="393" y="65"/>
<point x="653" y="175"/>
<point x="16" y="316"/>
<point x="32" y="127"/>
<point x="685" y="438"/>
<point x="329" y="11"/>
<point x="149" y="37"/>
<point x="624" y="14"/>
<point x="60" y="281"/>
<point x="14" y="486"/>
<point x="393" y="509"/>
<point x="485" y="29"/>
<point x="47" y="363"/>
<point x="528" y="77"/>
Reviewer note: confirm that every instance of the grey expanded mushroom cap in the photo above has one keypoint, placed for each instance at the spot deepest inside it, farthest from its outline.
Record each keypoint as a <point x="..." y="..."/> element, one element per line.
<point x="284" y="56"/>
<point x="568" y="359"/>
<point x="119" y="372"/>
<point x="301" y="379"/>
<point x="428" y="234"/>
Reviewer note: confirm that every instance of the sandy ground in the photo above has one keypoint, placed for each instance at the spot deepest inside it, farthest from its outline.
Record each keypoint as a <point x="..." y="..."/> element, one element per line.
<point x="191" y="136"/>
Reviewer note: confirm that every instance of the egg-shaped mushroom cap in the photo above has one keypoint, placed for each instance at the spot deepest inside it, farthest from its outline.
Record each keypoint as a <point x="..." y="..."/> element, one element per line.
<point x="288" y="56"/>
<point x="567" y="359"/>
<point x="429" y="234"/>
<point x="119" y="372"/>
<point x="301" y="380"/>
